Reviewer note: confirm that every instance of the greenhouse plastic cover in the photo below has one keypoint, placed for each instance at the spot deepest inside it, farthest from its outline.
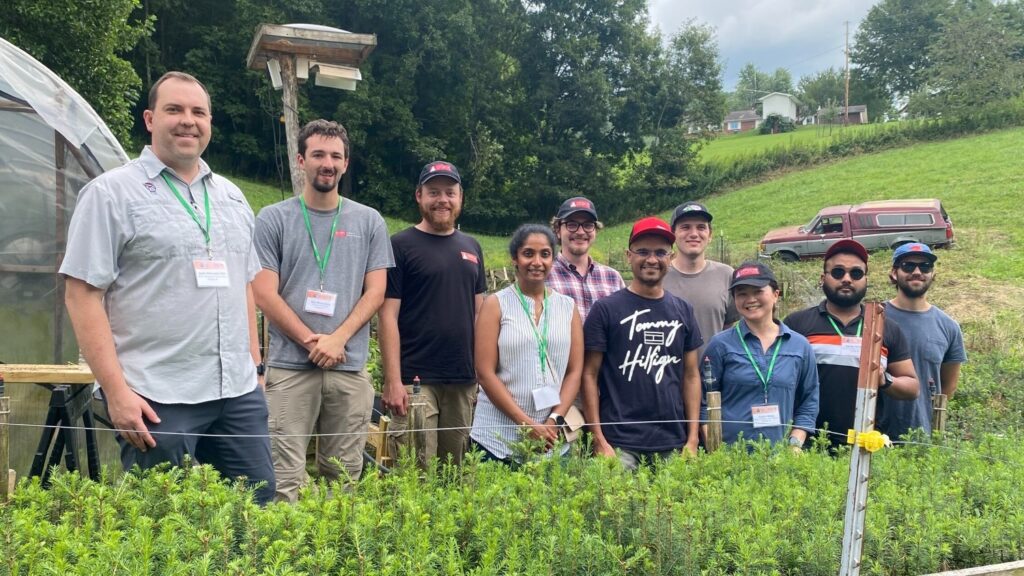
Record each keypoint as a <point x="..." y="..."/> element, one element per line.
<point x="24" y="79"/>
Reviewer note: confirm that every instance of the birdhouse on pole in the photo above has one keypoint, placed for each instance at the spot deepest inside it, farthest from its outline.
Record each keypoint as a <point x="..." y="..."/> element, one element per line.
<point x="292" y="53"/>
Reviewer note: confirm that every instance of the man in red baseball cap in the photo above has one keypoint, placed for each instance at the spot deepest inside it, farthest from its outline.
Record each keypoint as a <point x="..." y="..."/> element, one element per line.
<point x="834" y="329"/>
<point x="641" y="387"/>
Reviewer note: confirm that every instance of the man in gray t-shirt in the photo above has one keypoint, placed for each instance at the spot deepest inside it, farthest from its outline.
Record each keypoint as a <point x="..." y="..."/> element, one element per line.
<point x="936" y="341"/>
<point x="701" y="282"/>
<point x="325" y="261"/>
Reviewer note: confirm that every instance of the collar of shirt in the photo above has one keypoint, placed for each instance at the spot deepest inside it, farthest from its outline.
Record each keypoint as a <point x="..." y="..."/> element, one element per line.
<point x="784" y="331"/>
<point x="153" y="166"/>
<point x="561" y="260"/>
<point x="824" y="312"/>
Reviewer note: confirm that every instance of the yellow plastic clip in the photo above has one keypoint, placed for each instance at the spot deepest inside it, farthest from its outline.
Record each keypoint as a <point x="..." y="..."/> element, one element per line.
<point x="871" y="441"/>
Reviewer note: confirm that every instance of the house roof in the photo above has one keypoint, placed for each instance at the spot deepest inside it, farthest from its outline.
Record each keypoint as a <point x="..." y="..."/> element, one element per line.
<point x="741" y="116"/>
<point x="783" y="94"/>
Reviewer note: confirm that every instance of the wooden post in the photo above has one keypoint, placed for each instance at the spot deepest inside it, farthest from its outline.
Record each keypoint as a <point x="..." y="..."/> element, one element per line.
<point x="714" y="435"/>
<point x="290" y="98"/>
<point x="6" y="474"/>
<point x="864" y="421"/>
<point x="939" y="402"/>
<point x="417" y="423"/>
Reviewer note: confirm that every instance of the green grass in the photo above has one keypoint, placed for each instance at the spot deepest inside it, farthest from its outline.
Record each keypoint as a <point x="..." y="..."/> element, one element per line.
<point x="731" y="146"/>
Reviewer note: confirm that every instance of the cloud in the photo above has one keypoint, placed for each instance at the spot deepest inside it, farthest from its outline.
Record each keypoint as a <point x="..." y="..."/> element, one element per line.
<point x="803" y="36"/>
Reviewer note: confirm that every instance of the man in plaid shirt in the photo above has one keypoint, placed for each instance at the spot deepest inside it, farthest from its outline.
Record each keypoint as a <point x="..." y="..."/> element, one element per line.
<point x="574" y="272"/>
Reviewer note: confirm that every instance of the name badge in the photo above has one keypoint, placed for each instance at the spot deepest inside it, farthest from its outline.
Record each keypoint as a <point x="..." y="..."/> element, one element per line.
<point x="850" y="346"/>
<point x="211" y="273"/>
<point x="545" y="397"/>
<point x="321" y="303"/>
<point x="766" y="416"/>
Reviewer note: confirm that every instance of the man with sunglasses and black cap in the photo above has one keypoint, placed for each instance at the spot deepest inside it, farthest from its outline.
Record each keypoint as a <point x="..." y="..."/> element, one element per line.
<point x="936" y="341"/>
<point x="834" y="328"/>
<point x="574" y="272"/>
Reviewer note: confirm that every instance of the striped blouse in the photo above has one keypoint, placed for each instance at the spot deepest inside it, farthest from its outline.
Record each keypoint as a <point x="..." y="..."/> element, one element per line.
<point x="519" y="366"/>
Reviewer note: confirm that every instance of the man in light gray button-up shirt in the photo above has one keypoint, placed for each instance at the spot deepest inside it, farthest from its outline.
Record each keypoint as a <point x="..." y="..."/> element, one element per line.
<point x="159" y="262"/>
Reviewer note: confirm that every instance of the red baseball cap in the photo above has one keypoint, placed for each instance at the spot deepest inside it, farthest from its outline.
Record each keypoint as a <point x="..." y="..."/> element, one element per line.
<point x="847" y="246"/>
<point x="654" y="226"/>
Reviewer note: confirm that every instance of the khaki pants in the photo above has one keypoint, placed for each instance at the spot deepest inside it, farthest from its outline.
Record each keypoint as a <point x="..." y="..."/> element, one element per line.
<point x="329" y="402"/>
<point x="449" y="407"/>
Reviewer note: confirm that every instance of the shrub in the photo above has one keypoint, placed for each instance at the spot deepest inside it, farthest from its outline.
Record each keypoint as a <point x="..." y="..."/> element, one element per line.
<point x="763" y="511"/>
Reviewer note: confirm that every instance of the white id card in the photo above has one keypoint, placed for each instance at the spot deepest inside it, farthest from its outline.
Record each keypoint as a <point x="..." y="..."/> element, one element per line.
<point x="766" y="415"/>
<point x="321" y="303"/>
<point x="545" y="397"/>
<point x="211" y="273"/>
<point x="851" y="346"/>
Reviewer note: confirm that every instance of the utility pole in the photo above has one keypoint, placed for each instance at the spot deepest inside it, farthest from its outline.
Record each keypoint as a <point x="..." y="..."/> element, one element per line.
<point x="846" y="100"/>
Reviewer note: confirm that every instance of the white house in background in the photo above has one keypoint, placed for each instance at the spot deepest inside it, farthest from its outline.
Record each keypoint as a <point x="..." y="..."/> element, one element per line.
<point x="779" y="103"/>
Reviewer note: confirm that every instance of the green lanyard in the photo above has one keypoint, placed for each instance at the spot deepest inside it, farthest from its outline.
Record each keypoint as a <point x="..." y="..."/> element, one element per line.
<point x="765" y="380"/>
<point x="321" y="262"/>
<point x="860" y="326"/>
<point x="542" y="337"/>
<point x="195" y="217"/>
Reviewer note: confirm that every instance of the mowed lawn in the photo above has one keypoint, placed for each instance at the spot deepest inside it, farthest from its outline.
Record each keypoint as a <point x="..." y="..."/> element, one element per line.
<point x="732" y="146"/>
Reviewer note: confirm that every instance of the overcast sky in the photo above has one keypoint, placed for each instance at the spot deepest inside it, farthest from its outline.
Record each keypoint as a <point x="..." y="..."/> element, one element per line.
<point x="803" y="36"/>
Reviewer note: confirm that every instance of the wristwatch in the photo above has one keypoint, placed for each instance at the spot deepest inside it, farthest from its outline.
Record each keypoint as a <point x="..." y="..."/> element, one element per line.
<point x="261" y="369"/>
<point x="558" y="418"/>
<point x="794" y="441"/>
<point x="888" y="379"/>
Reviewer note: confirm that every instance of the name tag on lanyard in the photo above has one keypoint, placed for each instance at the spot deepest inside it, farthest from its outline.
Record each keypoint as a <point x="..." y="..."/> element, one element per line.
<point x="850" y="346"/>
<point x="766" y="416"/>
<point x="319" y="302"/>
<point x="211" y="273"/>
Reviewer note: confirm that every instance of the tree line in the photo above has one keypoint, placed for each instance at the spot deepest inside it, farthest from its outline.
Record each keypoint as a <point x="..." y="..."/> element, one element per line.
<point x="535" y="100"/>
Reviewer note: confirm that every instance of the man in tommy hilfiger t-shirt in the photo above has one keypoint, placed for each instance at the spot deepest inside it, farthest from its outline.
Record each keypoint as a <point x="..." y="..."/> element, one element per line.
<point x="834" y="328"/>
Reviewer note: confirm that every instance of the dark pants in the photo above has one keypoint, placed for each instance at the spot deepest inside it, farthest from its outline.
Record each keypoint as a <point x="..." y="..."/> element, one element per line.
<point x="237" y="445"/>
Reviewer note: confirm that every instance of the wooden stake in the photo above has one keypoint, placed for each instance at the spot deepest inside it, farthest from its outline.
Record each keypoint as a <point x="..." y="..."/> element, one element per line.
<point x="6" y="484"/>
<point x="939" y="402"/>
<point x="714" y="435"/>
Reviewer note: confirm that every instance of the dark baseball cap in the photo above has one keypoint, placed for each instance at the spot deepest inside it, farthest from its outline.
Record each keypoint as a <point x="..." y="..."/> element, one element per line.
<point x="654" y="226"/>
<point x="439" y="168"/>
<point x="690" y="209"/>
<point x="752" y="274"/>
<point x="574" y="205"/>
<point x="848" y="246"/>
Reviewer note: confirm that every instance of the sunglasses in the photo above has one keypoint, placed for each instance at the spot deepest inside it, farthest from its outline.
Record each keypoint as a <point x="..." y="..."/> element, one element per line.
<point x="573" y="226"/>
<point x="855" y="273"/>
<point x="645" y="253"/>
<point x="908" y="267"/>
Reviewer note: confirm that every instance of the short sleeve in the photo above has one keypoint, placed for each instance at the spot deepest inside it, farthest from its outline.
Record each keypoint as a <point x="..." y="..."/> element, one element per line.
<point x="694" y="339"/>
<point x="955" y="354"/>
<point x="896" y="342"/>
<point x="481" y="277"/>
<point x="99" y="230"/>
<point x="268" y="238"/>
<point x="394" y="289"/>
<point x="595" y="334"/>
<point x="381" y="255"/>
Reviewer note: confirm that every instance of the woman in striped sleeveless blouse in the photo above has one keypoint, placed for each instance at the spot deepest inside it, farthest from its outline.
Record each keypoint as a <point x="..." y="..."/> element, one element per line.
<point x="528" y="350"/>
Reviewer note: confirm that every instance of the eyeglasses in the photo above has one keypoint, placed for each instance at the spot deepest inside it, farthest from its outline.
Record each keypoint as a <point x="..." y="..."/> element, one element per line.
<point x="573" y="226"/>
<point x="645" y="253"/>
<point x="838" y="273"/>
<point x="908" y="267"/>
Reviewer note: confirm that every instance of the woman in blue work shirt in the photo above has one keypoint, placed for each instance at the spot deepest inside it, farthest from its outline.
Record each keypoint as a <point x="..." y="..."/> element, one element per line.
<point x="766" y="372"/>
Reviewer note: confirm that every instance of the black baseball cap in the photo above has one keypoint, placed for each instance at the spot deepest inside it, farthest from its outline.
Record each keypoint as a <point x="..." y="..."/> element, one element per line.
<point x="439" y="168"/>
<point x="752" y="274"/>
<point x="690" y="209"/>
<point x="574" y="205"/>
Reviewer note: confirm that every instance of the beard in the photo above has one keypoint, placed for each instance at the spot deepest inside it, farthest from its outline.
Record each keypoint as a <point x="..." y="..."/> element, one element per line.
<point x="440" y="223"/>
<point x="910" y="292"/>
<point x="330" y="186"/>
<point x="649" y="278"/>
<point x="844" y="300"/>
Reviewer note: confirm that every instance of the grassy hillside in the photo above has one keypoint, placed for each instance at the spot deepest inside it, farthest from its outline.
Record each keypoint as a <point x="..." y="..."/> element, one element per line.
<point x="729" y="146"/>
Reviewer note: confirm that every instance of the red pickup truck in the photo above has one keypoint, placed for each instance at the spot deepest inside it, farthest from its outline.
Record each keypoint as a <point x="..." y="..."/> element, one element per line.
<point x="877" y="225"/>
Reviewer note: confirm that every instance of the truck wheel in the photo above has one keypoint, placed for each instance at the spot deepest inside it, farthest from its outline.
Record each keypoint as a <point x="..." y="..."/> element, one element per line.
<point x="787" y="256"/>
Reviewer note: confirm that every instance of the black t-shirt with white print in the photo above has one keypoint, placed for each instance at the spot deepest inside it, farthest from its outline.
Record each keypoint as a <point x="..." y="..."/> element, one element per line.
<point x="644" y="342"/>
